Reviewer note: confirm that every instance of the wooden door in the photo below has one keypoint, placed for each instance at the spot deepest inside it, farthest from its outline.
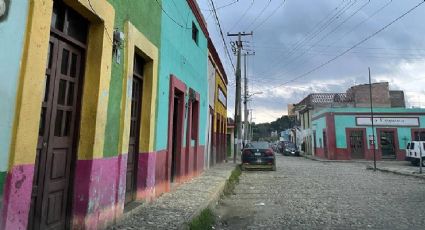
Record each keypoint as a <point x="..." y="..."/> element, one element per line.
<point x="357" y="144"/>
<point x="55" y="147"/>
<point x="133" y="145"/>
<point x="387" y="143"/>
<point x="325" y="145"/>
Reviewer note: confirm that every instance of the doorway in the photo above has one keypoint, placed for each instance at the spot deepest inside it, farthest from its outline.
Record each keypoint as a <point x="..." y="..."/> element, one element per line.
<point x="357" y="144"/>
<point x="133" y="144"/>
<point x="325" y="144"/>
<point x="213" y="141"/>
<point x="176" y="135"/>
<point x="59" y="119"/>
<point x="387" y="144"/>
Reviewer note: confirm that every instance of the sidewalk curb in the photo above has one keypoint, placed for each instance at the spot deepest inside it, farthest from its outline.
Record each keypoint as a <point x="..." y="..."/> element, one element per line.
<point x="212" y="200"/>
<point x="386" y="170"/>
<point x="334" y="161"/>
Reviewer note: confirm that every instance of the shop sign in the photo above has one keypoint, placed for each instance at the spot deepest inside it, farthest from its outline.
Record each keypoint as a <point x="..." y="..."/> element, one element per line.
<point x="388" y="121"/>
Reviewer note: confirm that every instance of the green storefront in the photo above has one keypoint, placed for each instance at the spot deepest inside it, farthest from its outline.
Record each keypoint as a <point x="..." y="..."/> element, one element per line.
<point x="346" y="133"/>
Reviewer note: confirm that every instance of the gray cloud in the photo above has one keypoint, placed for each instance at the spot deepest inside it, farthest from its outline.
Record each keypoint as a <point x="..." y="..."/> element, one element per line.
<point x="387" y="53"/>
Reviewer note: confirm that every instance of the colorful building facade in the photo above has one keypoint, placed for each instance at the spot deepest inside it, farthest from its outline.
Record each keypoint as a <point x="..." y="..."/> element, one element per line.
<point x="346" y="133"/>
<point x="215" y="151"/>
<point x="105" y="103"/>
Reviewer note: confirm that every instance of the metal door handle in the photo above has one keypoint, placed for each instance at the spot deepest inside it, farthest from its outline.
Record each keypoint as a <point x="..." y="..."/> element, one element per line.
<point x="44" y="144"/>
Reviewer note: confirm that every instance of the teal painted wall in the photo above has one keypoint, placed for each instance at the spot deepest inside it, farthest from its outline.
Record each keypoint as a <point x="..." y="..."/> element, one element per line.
<point x="349" y="121"/>
<point x="146" y="17"/>
<point x="185" y="59"/>
<point x="319" y="125"/>
<point x="12" y="32"/>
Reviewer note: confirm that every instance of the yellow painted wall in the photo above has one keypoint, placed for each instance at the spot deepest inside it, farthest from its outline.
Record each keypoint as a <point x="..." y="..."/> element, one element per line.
<point x="32" y="79"/>
<point x="219" y="108"/>
<point x="137" y="42"/>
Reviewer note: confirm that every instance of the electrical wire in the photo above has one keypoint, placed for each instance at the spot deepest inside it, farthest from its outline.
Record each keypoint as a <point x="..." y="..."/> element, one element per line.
<point x="106" y="29"/>
<point x="267" y="18"/>
<point x="325" y="36"/>
<point x="241" y="17"/>
<point x="261" y="13"/>
<point x="352" y="47"/>
<point x="318" y="28"/>
<point x="169" y="16"/>
<point x="222" y="35"/>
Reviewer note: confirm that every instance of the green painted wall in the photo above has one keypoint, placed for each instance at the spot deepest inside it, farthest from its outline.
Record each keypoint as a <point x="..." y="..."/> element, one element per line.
<point x="145" y="15"/>
<point x="319" y="125"/>
<point x="185" y="59"/>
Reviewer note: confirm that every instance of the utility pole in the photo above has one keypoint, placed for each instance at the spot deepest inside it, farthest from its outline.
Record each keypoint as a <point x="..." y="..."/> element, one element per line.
<point x="371" y="118"/>
<point x="245" y="101"/>
<point x="238" y="128"/>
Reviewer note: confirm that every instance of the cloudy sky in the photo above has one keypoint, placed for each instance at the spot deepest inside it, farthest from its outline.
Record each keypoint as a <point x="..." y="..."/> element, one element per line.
<point x="306" y="46"/>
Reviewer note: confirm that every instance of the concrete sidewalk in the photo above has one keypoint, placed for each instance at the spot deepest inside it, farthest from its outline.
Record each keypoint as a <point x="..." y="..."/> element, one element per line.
<point x="326" y="160"/>
<point x="398" y="167"/>
<point x="174" y="210"/>
<point x="393" y="166"/>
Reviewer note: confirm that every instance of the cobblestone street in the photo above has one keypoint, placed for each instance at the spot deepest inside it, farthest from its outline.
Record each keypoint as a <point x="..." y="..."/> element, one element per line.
<point x="306" y="194"/>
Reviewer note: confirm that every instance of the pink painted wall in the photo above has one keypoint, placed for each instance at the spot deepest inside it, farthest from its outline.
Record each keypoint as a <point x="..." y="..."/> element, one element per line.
<point x="17" y="197"/>
<point x="99" y="190"/>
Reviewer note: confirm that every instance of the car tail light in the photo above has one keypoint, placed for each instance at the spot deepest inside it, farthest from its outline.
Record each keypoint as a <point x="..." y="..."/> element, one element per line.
<point x="269" y="153"/>
<point x="247" y="152"/>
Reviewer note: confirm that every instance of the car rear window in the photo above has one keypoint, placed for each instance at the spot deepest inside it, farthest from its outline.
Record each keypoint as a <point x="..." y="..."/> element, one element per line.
<point x="259" y="145"/>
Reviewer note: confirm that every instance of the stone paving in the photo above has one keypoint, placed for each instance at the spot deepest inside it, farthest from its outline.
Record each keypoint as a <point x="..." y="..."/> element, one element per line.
<point x="306" y="194"/>
<point x="175" y="209"/>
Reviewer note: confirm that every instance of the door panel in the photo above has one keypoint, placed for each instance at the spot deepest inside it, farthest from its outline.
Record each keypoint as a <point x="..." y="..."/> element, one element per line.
<point x="357" y="144"/>
<point x="387" y="143"/>
<point x="55" y="147"/>
<point x="133" y="147"/>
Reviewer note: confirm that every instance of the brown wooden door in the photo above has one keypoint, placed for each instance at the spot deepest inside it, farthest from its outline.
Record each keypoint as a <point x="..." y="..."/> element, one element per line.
<point x="133" y="146"/>
<point x="55" y="147"/>
<point x="325" y="145"/>
<point x="357" y="144"/>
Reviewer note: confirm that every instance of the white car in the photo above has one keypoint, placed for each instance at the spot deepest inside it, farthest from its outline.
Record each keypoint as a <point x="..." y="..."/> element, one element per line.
<point x="414" y="150"/>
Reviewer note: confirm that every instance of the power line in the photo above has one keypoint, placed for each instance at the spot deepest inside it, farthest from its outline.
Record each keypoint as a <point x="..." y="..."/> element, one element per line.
<point x="169" y="16"/>
<point x="318" y="28"/>
<point x="366" y="19"/>
<point x="326" y="35"/>
<point x="241" y="17"/>
<point x="267" y="18"/>
<point x="222" y="35"/>
<point x="259" y="15"/>
<point x="223" y="6"/>
<point x="352" y="47"/>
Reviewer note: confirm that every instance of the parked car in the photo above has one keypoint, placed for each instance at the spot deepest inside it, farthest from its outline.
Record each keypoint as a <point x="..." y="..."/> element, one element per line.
<point x="258" y="155"/>
<point x="414" y="150"/>
<point x="290" y="149"/>
<point x="281" y="146"/>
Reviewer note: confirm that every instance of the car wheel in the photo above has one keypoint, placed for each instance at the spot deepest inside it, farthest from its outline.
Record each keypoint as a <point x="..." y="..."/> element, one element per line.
<point x="423" y="162"/>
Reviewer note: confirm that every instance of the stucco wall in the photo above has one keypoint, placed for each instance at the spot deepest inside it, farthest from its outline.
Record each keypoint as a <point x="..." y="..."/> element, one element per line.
<point x="146" y="17"/>
<point x="349" y="121"/>
<point x="186" y="60"/>
<point x="12" y="31"/>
